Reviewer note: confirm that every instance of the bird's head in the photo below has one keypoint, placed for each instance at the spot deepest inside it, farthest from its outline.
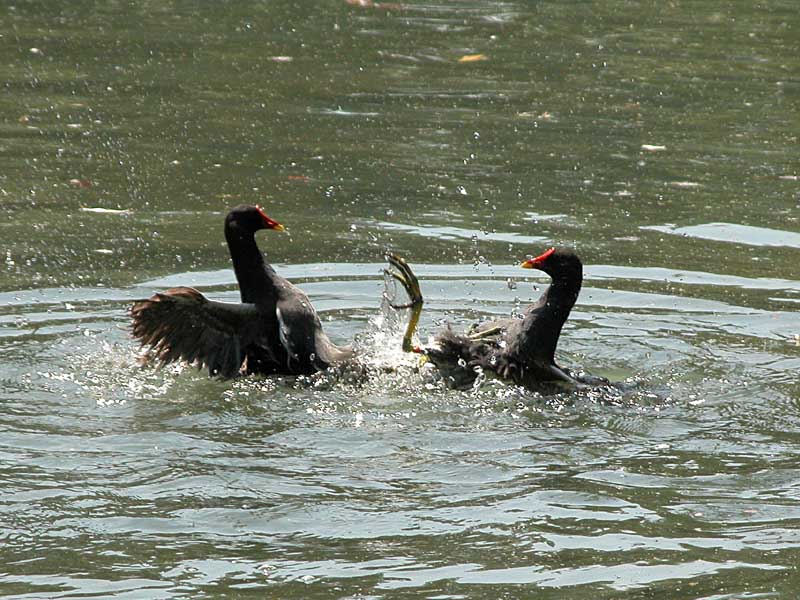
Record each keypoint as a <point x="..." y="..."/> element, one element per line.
<point x="556" y="262"/>
<point x="251" y="219"/>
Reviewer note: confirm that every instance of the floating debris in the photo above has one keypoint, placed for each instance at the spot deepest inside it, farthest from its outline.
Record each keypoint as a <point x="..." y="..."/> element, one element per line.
<point x="468" y="58"/>
<point x="105" y="211"/>
<point x="653" y="148"/>
<point x="372" y="4"/>
<point x="684" y="184"/>
<point x="543" y="116"/>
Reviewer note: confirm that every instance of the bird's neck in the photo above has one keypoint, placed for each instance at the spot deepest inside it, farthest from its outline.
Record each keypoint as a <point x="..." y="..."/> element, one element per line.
<point x="256" y="278"/>
<point x="542" y="325"/>
<point x="562" y="294"/>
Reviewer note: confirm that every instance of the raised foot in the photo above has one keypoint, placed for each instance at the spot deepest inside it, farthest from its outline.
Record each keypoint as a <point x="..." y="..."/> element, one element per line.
<point x="400" y="271"/>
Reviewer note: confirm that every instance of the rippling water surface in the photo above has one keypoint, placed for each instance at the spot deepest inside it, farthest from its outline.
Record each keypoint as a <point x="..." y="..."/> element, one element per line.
<point x="659" y="140"/>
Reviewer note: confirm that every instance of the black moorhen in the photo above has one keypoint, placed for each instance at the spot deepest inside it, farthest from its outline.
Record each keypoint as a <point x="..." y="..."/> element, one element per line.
<point x="519" y="350"/>
<point x="275" y="330"/>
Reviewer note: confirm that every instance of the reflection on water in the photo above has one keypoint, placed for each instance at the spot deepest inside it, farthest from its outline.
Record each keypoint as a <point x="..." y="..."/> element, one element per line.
<point x="658" y="140"/>
<point x="396" y="460"/>
<point x="738" y="234"/>
<point x="450" y="233"/>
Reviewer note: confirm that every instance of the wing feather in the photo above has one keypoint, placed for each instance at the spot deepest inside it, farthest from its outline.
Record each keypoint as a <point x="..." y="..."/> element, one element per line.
<point x="182" y="324"/>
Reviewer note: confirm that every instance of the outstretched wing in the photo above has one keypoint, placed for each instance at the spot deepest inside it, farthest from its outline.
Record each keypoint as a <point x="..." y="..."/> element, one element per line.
<point x="182" y="324"/>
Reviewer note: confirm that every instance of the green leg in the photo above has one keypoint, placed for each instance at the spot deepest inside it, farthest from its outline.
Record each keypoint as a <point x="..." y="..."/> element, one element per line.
<point x="484" y="334"/>
<point x="399" y="269"/>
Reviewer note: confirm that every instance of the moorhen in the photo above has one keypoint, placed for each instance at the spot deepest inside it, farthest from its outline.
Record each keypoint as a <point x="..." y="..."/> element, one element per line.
<point x="519" y="350"/>
<point x="274" y="330"/>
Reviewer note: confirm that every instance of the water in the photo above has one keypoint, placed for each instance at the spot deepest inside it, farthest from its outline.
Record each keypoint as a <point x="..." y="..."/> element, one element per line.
<point x="659" y="140"/>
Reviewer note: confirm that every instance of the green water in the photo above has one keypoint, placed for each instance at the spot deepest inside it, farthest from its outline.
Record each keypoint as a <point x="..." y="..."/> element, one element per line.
<point x="658" y="139"/>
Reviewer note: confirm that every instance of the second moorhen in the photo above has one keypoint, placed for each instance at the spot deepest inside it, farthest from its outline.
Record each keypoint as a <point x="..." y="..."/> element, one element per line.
<point x="519" y="350"/>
